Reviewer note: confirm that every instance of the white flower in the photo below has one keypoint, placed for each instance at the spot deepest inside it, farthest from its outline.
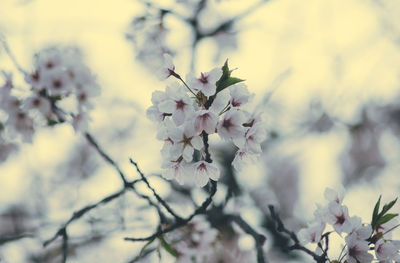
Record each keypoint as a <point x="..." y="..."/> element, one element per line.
<point x="153" y="113"/>
<point x="205" y="120"/>
<point x="80" y="122"/>
<point x="48" y="59"/>
<point x="38" y="103"/>
<point x="58" y="82"/>
<point x="178" y="104"/>
<point x="385" y="228"/>
<point x="333" y="196"/>
<point x="357" y="250"/>
<point x="23" y="124"/>
<point x="358" y="229"/>
<point x="207" y="82"/>
<point x="231" y="125"/>
<point x="174" y="170"/>
<point x="243" y="158"/>
<point x="185" y="141"/>
<point x="221" y="101"/>
<point x="252" y="139"/>
<point x="387" y="251"/>
<point x="338" y="216"/>
<point x="239" y="95"/>
<point x="203" y="171"/>
<point x="312" y="234"/>
<point x="168" y="67"/>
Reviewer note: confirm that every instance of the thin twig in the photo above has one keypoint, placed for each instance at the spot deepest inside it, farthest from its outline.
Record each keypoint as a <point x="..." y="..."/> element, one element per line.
<point x="157" y="196"/>
<point x="258" y="238"/>
<point x="4" y="43"/>
<point x="78" y="214"/>
<point x="105" y="156"/>
<point x="280" y="227"/>
<point x="200" y="210"/>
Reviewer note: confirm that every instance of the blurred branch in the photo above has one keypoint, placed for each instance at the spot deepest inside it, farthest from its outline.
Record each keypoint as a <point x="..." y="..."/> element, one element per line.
<point x="159" y="199"/>
<point x="200" y="210"/>
<point x="78" y="214"/>
<point x="4" y="43"/>
<point x="258" y="238"/>
<point x="15" y="237"/>
<point x="105" y="156"/>
<point x="297" y="246"/>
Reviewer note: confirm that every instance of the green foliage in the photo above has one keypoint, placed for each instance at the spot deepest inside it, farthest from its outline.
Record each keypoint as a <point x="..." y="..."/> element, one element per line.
<point x="226" y="80"/>
<point x="168" y="247"/>
<point x="379" y="218"/>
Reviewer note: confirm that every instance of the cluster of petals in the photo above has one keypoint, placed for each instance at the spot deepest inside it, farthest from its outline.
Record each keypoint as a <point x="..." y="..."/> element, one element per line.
<point x="195" y="242"/>
<point x="59" y="72"/>
<point x="188" y="111"/>
<point x="357" y="234"/>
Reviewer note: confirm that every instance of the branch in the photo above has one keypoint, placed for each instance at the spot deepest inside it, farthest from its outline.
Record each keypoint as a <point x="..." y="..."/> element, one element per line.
<point x="200" y="210"/>
<point x="4" y="43"/>
<point x="158" y="197"/>
<point x="105" y="156"/>
<point x="280" y="227"/>
<point x="78" y="214"/>
<point x="258" y="238"/>
<point x="14" y="237"/>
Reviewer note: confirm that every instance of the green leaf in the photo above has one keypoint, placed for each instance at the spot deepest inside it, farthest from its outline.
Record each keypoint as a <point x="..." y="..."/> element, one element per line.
<point x="145" y="246"/>
<point x="385" y="218"/>
<point x="226" y="80"/>
<point x="168" y="247"/>
<point x="375" y="212"/>
<point x="387" y="207"/>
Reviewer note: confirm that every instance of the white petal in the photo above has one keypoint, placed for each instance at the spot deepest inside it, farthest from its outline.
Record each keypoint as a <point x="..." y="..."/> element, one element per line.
<point x="167" y="106"/>
<point x="200" y="179"/>
<point x="178" y="117"/>
<point x="213" y="172"/>
<point x="197" y="142"/>
<point x="188" y="153"/>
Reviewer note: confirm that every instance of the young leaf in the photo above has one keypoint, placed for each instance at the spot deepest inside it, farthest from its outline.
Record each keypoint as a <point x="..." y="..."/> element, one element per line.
<point x="168" y="247"/>
<point x="385" y="218"/>
<point x="375" y="213"/>
<point x="226" y="80"/>
<point x="145" y="246"/>
<point x="387" y="207"/>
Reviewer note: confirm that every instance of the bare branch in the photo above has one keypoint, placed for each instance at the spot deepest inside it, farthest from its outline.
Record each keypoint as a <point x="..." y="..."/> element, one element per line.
<point x="297" y="246"/>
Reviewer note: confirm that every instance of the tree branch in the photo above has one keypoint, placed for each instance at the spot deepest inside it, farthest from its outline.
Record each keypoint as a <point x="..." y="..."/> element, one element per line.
<point x="280" y="227"/>
<point x="258" y="238"/>
<point x="158" y="197"/>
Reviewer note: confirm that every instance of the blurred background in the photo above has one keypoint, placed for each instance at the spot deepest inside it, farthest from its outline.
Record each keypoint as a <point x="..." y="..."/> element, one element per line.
<point x="326" y="74"/>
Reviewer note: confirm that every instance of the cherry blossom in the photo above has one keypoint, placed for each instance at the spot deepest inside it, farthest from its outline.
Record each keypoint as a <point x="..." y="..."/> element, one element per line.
<point x="206" y="83"/>
<point x="203" y="171"/>
<point x="231" y="125"/>
<point x="357" y="250"/>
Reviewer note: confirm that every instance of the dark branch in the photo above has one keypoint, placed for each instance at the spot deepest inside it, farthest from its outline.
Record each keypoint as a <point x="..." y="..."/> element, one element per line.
<point x="280" y="227"/>
<point x="258" y="238"/>
<point x="105" y="156"/>
<point x="78" y="214"/>
<point x="159" y="199"/>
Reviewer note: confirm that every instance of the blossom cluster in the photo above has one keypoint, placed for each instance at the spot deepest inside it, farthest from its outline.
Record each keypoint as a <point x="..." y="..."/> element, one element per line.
<point x="188" y="112"/>
<point x="360" y="238"/>
<point x="195" y="242"/>
<point x="59" y="76"/>
<point x="60" y="73"/>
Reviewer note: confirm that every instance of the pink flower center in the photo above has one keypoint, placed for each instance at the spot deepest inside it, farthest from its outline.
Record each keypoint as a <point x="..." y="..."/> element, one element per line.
<point x="203" y="79"/>
<point x="180" y="104"/>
